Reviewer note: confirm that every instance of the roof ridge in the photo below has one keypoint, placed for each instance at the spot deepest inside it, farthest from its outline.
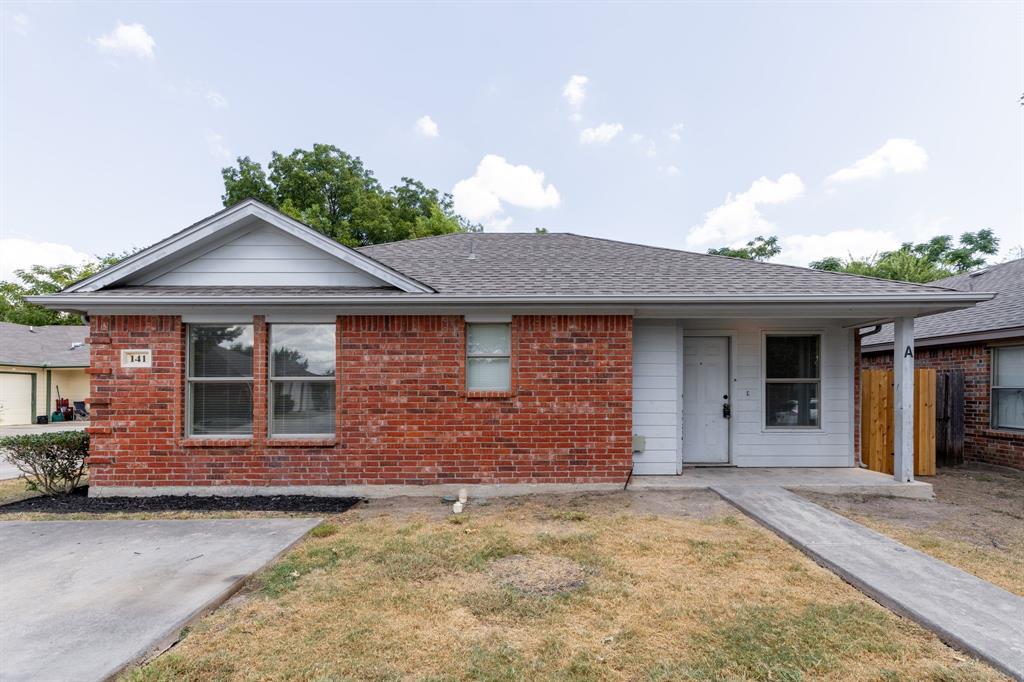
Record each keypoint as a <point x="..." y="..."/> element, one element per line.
<point x="746" y="260"/>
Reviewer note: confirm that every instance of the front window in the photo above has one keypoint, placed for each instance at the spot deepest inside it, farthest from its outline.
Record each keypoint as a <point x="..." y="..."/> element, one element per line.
<point x="302" y="364"/>
<point x="488" y="357"/>
<point x="220" y="380"/>
<point x="792" y="380"/>
<point x="1008" y="387"/>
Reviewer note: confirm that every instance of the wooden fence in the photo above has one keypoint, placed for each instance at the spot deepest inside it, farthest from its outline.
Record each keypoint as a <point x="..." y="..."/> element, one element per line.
<point x="876" y="417"/>
<point x="949" y="417"/>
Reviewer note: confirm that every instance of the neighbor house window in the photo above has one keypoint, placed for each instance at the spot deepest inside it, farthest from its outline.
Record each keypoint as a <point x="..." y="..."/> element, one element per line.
<point x="1008" y="387"/>
<point x="488" y="356"/>
<point x="792" y="380"/>
<point x="220" y="380"/>
<point x="302" y="379"/>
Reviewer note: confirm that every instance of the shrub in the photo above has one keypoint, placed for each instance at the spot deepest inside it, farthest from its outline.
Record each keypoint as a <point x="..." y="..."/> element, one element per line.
<point x="53" y="463"/>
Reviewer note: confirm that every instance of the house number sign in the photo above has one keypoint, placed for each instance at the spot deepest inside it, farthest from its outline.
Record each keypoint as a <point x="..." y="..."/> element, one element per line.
<point x="137" y="357"/>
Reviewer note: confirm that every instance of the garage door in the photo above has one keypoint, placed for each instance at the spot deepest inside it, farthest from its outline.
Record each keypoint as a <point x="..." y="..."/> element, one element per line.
<point x="16" y="399"/>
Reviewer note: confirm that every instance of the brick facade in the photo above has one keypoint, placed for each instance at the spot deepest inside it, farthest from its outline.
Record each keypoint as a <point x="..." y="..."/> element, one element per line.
<point x="981" y="442"/>
<point x="403" y="413"/>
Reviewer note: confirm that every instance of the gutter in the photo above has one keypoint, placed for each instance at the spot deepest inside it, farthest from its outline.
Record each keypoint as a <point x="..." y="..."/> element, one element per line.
<point x="71" y="298"/>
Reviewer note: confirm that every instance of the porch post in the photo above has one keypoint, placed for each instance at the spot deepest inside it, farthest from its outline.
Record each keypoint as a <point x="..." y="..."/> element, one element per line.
<point x="903" y="399"/>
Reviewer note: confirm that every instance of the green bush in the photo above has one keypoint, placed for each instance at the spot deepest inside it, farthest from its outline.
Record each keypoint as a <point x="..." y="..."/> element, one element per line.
<point x="53" y="463"/>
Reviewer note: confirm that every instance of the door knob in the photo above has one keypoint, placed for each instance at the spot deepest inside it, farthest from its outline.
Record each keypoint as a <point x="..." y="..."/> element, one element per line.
<point x="726" y="410"/>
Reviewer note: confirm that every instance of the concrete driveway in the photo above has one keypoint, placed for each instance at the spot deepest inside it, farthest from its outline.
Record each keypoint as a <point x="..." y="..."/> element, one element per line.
<point x="8" y="470"/>
<point x="83" y="599"/>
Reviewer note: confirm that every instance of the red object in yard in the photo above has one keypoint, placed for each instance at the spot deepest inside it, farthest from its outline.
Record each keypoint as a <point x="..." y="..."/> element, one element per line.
<point x="63" y="406"/>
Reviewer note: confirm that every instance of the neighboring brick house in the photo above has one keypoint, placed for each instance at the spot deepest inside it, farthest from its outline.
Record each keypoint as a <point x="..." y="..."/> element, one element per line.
<point x="985" y="342"/>
<point x="250" y="354"/>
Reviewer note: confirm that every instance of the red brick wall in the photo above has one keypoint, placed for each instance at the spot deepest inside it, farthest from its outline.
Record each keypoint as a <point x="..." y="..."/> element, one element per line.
<point x="404" y="416"/>
<point x="981" y="442"/>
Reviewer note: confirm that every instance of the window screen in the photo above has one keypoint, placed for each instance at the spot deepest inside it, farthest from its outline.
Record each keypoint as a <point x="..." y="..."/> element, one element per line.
<point x="1008" y="387"/>
<point x="220" y="380"/>
<point x="488" y="357"/>
<point x="302" y="387"/>
<point x="792" y="381"/>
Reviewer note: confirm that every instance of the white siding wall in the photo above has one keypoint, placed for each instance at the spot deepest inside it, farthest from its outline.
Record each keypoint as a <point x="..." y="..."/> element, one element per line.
<point x="657" y="359"/>
<point x="265" y="256"/>
<point x="656" y="395"/>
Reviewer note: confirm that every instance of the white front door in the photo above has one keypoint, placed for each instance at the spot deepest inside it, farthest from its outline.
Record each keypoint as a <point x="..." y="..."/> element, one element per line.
<point x="705" y="393"/>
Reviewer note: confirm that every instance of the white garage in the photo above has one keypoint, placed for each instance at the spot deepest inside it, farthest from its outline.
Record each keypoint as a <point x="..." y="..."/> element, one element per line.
<point x="17" y="397"/>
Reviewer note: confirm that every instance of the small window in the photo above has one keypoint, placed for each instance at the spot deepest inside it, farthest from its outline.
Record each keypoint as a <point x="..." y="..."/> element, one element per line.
<point x="220" y="380"/>
<point x="488" y="357"/>
<point x="792" y="381"/>
<point x="1008" y="387"/>
<point x="302" y="364"/>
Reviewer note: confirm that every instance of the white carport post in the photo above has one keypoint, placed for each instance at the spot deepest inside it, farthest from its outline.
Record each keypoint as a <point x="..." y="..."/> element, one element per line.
<point x="903" y="399"/>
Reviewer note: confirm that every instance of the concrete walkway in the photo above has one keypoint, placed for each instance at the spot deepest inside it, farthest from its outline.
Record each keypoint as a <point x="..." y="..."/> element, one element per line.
<point x="81" y="600"/>
<point x="964" y="611"/>
<point x="828" y="480"/>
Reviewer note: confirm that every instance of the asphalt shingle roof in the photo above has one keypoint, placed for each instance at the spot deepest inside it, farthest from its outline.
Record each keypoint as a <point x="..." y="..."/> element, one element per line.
<point x="1005" y="311"/>
<point x="570" y="264"/>
<point x="43" y="346"/>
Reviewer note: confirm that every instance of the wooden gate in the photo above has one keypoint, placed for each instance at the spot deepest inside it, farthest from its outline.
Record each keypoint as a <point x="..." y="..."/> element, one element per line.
<point x="876" y="417"/>
<point x="949" y="417"/>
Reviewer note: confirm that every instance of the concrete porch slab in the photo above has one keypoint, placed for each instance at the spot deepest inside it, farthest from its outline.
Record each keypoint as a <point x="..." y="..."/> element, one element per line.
<point x="829" y="480"/>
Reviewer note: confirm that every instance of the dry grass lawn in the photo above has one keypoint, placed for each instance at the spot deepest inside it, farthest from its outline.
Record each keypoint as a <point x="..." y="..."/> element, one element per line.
<point x="14" y="490"/>
<point x="625" y="586"/>
<point x="975" y="522"/>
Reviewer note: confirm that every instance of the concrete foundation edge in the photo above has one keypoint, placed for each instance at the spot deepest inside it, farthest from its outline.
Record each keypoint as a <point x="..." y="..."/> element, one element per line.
<point x="365" y="491"/>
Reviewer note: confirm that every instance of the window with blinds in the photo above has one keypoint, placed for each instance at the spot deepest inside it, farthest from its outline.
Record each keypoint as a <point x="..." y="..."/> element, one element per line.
<point x="488" y="357"/>
<point x="219" y="378"/>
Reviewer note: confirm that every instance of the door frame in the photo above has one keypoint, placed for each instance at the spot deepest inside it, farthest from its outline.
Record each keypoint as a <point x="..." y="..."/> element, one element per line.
<point x="730" y="336"/>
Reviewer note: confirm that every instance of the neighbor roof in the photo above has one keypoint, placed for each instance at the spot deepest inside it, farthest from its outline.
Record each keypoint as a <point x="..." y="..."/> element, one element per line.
<point x="571" y="264"/>
<point x="49" y="346"/>
<point x="1004" y="313"/>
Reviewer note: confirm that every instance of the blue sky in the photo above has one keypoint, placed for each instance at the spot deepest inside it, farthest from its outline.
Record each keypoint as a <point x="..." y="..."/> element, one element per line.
<point x="839" y="127"/>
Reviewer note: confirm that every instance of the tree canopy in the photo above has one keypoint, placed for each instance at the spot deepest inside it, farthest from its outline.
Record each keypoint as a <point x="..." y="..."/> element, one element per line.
<point x="759" y="248"/>
<point x="937" y="258"/>
<point x="41" y="279"/>
<point x="334" y="193"/>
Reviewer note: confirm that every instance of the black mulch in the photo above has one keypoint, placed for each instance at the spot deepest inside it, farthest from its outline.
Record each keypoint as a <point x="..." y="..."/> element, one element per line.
<point x="78" y="501"/>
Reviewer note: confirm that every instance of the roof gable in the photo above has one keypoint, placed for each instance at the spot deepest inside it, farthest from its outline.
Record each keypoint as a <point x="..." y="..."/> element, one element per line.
<point x="249" y="244"/>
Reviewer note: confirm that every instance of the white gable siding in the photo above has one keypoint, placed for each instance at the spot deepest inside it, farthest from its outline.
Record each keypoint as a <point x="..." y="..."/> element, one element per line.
<point x="656" y="393"/>
<point x="265" y="256"/>
<point x="657" y="358"/>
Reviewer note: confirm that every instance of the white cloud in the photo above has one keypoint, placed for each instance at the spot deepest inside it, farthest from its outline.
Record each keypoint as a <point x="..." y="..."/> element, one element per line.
<point x="20" y="254"/>
<point x="217" y="147"/>
<point x="739" y="217"/>
<point x="127" y="39"/>
<point x="602" y="134"/>
<point x="574" y="92"/>
<point x="675" y="132"/>
<point x="650" y="149"/>
<point x="495" y="183"/>
<point x="216" y="100"/>
<point x="427" y="127"/>
<point x="896" y="156"/>
<point x="802" y="249"/>
<point x="669" y="170"/>
<point x="19" y="23"/>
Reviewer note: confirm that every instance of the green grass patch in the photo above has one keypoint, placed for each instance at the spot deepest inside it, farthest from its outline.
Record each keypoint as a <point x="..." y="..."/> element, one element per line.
<point x="284" y="575"/>
<point x="324" y="530"/>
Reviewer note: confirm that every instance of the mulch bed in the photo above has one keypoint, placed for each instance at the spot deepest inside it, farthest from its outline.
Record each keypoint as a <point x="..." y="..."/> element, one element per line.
<point x="79" y="502"/>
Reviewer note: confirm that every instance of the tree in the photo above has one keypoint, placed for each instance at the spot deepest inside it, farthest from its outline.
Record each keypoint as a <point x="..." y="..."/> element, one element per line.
<point x="759" y="248"/>
<point x="335" y="194"/>
<point x="928" y="261"/>
<point x="42" y="279"/>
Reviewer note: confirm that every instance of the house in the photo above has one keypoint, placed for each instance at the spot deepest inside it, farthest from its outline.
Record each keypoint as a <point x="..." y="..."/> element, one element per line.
<point x="36" y="365"/>
<point x="250" y="354"/>
<point x="987" y="344"/>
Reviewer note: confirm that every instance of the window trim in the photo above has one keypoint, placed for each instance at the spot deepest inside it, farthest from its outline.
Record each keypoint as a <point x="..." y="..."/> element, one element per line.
<point x="765" y="380"/>
<point x="993" y="387"/>
<point x="190" y="381"/>
<point x="479" y="321"/>
<point x="333" y="379"/>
